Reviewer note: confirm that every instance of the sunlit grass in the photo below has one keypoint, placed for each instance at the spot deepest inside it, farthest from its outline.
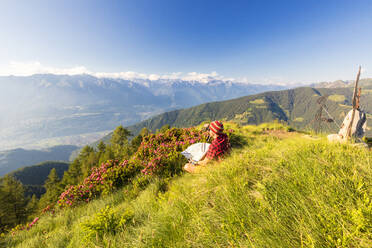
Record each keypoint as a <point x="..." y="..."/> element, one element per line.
<point x="337" y="98"/>
<point x="272" y="192"/>
<point x="258" y="101"/>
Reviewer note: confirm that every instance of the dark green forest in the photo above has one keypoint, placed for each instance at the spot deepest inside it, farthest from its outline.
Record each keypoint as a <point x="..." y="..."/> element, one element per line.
<point x="33" y="177"/>
<point x="37" y="174"/>
<point x="26" y="192"/>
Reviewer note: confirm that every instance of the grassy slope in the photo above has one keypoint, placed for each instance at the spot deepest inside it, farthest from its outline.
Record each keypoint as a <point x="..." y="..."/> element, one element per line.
<point x="284" y="191"/>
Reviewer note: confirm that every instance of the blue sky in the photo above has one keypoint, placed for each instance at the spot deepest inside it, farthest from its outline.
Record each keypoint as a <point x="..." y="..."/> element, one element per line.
<point x="256" y="41"/>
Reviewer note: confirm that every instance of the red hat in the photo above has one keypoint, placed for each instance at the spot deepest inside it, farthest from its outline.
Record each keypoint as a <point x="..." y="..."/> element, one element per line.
<point x="216" y="127"/>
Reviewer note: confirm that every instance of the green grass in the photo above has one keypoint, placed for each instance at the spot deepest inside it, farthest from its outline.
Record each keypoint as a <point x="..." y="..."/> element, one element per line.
<point x="257" y="101"/>
<point x="299" y="119"/>
<point x="367" y="91"/>
<point x="345" y="106"/>
<point x="337" y="98"/>
<point x="261" y="107"/>
<point x="272" y="192"/>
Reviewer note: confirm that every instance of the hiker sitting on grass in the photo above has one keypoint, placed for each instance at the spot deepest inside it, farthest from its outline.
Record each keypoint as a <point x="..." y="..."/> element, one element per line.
<point x="217" y="149"/>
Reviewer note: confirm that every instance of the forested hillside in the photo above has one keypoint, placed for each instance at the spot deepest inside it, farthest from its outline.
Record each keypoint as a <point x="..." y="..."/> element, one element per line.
<point x="297" y="107"/>
<point x="33" y="177"/>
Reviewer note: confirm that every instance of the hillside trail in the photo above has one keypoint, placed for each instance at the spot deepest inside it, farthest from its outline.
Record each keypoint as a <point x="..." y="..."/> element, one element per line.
<point x="281" y="134"/>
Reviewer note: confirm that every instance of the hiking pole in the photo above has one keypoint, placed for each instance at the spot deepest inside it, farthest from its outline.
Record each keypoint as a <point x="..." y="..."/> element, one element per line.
<point x="325" y="109"/>
<point x="354" y="105"/>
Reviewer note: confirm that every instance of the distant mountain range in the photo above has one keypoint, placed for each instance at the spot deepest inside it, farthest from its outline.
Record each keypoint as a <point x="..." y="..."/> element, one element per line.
<point x="366" y="82"/>
<point x="46" y="110"/>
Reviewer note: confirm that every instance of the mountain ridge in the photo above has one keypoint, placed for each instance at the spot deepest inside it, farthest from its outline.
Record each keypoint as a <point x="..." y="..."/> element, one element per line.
<point x="296" y="106"/>
<point x="11" y="160"/>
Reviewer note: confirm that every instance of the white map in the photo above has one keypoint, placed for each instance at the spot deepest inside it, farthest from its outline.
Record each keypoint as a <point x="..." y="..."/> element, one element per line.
<point x="196" y="151"/>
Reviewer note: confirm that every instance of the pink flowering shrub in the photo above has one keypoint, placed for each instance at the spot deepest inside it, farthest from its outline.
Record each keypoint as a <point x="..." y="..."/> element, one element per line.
<point x="32" y="223"/>
<point x="159" y="154"/>
<point x="102" y="180"/>
<point x="47" y="209"/>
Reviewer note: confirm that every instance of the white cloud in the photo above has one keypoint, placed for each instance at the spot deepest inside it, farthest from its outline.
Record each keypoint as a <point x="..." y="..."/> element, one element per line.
<point x="154" y="77"/>
<point x="205" y="77"/>
<point x="129" y="75"/>
<point x="191" y="76"/>
<point x="34" y="67"/>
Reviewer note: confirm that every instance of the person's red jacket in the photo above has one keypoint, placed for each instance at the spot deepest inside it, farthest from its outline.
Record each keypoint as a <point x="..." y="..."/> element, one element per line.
<point x="218" y="147"/>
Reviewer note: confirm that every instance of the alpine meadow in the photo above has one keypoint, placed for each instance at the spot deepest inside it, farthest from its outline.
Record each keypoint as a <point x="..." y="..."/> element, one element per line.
<point x="278" y="188"/>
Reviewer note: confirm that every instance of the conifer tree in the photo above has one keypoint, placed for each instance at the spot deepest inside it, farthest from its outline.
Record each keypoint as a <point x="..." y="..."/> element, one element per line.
<point x="101" y="147"/>
<point x="107" y="155"/>
<point x="52" y="180"/>
<point x="119" y="143"/>
<point x="52" y="188"/>
<point x="32" y="205"/>
<point x="164" y="128"/>
<point x="120" y="136"/>
<point x="13" y="203"/>
<point x="89" y="162"/>
<point x="73" y="175"/>
<point x="144" y="132"/>
<point x="5" y="221"/>
<point x="84" y="153"/>
<point x="136" y="141"/>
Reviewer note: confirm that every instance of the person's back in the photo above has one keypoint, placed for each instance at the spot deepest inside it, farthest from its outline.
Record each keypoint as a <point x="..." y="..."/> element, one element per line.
<point x="219" y="147"/>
